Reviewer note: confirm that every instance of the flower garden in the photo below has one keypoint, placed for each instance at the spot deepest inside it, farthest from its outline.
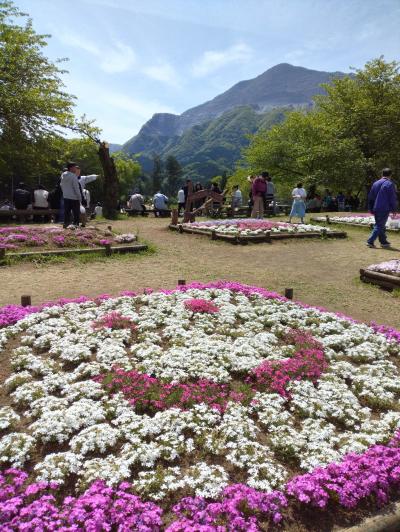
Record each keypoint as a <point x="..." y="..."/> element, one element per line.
<point x="393" y="223"/>
<point x="22" y="238"/>
<point x="35" y="241"/>
<point x="208" y="408"/>
<point x="385" y="274"/>
<point x="254" y="230"/>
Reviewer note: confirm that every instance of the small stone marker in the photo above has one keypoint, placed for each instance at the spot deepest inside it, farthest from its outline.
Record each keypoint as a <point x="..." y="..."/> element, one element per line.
<point x="289" y="293"/>
<point x="181" y="282"/>
<point x="109" y="227"/>
<point x="26" y="301"/>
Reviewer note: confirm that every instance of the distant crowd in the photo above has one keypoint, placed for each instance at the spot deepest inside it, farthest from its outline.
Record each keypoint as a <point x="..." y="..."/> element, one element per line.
<point x="70" y="198"/>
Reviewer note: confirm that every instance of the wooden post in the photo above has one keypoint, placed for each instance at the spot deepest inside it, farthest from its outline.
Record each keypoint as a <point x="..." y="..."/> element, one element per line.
<point x="180" y="228"/>
<point x="2" y="255"/>
<point x="181" y="282"/>
<point x="109" y="227"/>
<point x="108" y="250"/>
<point x="268" y="237"/>
<point x="213" y="235"/>
<point x="323" y="233"/>
<point x="289" y="293"/>
<point x="174" y="217"/>
<point x="328" y="220"/>
<point x="26" y="301"/>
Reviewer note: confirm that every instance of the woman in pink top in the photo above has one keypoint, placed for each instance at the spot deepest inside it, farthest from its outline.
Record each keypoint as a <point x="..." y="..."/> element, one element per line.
<point x="258" y="189"/>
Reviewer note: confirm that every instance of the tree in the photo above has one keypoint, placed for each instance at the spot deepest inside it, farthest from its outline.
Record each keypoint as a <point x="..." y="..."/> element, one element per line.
<point x="173" y="175"/>
<point x="33" y="104"/>
<point x="366" y="109"/>
<point x="129" y="171"/>
<point x="157" y="173"/>
<point x="343" y="143"/>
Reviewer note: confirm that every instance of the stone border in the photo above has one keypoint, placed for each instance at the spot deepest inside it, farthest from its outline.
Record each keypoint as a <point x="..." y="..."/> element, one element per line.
<point x="384" y="280"/>
<point x="268" y="237"/>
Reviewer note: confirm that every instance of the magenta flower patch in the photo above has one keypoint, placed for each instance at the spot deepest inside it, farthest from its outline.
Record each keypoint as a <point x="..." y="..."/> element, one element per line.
<point x="201" y="306"/>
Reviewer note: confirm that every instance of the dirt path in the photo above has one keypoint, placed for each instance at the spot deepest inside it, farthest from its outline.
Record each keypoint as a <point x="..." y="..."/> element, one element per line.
<point x="323" y="273"/>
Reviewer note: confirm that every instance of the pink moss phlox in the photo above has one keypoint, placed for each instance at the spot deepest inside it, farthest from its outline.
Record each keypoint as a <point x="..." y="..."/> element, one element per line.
<point x="35" y="507"/>
<point x="201" y="306"/>
<point x="358" y="477"/>
<point x="308" y="362"/>
<point x="247" y="290"/>
<point x="239" y="509"/>
<point x="147" y="393"/>
<point x="114" y="320"/>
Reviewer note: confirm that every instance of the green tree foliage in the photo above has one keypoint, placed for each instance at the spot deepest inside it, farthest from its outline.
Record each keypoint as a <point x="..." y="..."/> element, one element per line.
<point x="33" y="104"/>
<point x="157" y="174"/>
<point x="343" y="143"/>
<point x="173" y="176"/>
<point x="129" y="171"/>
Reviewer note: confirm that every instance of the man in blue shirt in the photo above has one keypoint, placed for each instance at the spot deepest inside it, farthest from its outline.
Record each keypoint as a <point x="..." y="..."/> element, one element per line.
<point x="382" y="200"/>
<point x="160" y="202"/>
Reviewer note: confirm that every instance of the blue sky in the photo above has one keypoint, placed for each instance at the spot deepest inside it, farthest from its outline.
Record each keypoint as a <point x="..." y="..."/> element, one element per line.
<point x="129" y="59"/>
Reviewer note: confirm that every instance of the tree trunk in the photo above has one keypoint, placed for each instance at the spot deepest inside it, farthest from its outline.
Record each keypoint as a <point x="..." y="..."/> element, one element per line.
<point x="110" y="182"/>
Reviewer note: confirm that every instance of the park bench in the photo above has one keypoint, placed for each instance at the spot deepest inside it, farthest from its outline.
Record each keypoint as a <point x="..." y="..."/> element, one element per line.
<point x="135" y="212"/>
<point x="25" y="215"/>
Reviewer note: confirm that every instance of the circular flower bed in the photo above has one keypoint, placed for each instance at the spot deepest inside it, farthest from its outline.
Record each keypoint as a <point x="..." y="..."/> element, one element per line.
<point x="213" y="406"/>
<point x="253" y="227"/>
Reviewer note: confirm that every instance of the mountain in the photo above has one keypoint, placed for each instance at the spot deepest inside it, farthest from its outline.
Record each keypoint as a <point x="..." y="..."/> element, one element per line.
<point x="115" y="147"/>
<point x="210" y="136"/>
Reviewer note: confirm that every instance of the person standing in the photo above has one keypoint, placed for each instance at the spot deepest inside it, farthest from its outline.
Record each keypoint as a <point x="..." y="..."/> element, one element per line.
<point x="181" y="200"/>
<point x="72" y="193"/>
<point x="270" y="192"/>
<point x="299" y="203"/>
<point x="258" y="189"/>
<point x="382" y="200"/>
<point x="236" y="197"/>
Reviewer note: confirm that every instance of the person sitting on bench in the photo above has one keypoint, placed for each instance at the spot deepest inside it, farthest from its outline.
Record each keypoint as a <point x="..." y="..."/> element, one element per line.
<point x="160" y="202"/>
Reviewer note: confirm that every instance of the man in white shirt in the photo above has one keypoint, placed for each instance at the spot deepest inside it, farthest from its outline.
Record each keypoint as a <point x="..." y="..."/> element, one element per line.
<point x="181" y="200"/>
<point x="40" y="198"/>
<point x="136" y="203"/>
<point x="236" y="197"/>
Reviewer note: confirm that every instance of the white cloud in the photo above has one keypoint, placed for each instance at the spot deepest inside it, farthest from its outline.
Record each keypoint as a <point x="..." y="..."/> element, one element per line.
<point x="120" y="58"/>
<point x="213" y="60"/>
<point x="117" y="57"/>
<point x="163" y="72"/>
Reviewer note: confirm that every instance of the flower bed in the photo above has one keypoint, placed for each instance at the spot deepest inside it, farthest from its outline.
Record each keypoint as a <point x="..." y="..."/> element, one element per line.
<point x="252" y="230"/>
<point x="393" y="223"/>
<point x="391" y="267"/>
<point x="214" y="406"/>
<point x="24" y="238"/>
<point x="385" y="274"/>
<point x="253" y="227"/>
